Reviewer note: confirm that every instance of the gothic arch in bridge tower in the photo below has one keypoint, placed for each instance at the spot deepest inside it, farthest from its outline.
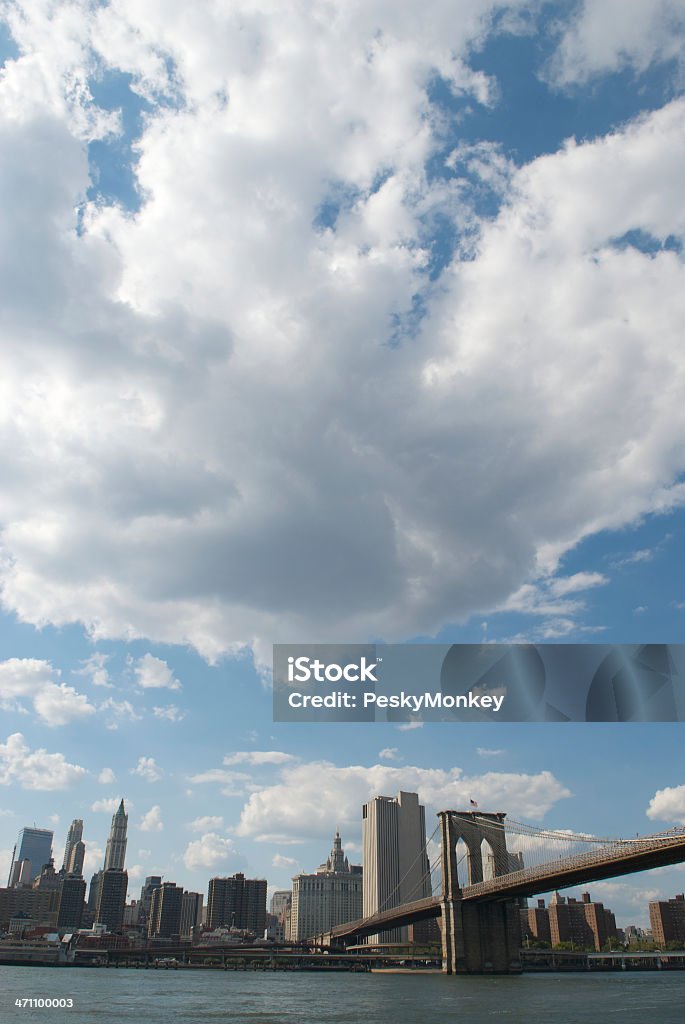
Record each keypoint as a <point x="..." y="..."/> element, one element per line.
<point x="483" y="837"/>
<point x="488" y="861"/>
<point x="462" y="855"/>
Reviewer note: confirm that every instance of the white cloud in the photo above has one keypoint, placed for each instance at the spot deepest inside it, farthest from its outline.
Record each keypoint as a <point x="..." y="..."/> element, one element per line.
<point x="487" y="752"/>
<point x="35" y="769"/>
<point x="59" y="705"/>
<point x="300" y="803"/>
<point x="258" y="757"/>
<point x="209" y="851"/>
<point x="395" y="452"/>
<point x="610" y="35"/>
<point x="169" y="712"/>
<point x="108" y="805"/>
<point x="154" y="674"/>
<point x="389" y="754"/>
<point x="55" y="703"/>
<point x="287" y="863"/>
<point x="136" y="874"/>
<point x="410" y="726"/>
<point x="208" y="823"/>
<point x="579" y="581"/>
<point x="95" y="668"/>
<point x="94" y="858"/>
<point x="636" y="557"/>
<point x="152" y="820"/>
<point x="107" y="776"/>
<point x="232" y="783"/>
<point x="22" y="677"/>
<point x="668" y="805"/>
<point x="148" y="769"/>
<point x="118" y="711"/>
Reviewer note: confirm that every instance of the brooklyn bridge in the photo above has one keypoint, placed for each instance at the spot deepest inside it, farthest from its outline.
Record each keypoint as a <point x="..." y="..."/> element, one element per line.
<point x="483" y="865"/>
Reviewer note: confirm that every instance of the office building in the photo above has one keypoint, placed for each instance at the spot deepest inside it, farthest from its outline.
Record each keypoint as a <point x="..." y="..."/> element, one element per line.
<point x="165" y="911"/>
<point x="74" y="850"/>
<point x="396" y="868"/>
<point x="33" y="849"/>
<point x="279" y="901"/>
<point x="332" y="895"/>
<point x="237" y="902"/>
<point x="151" y="883"/>
<point x="115" y="854"/>
<point x="111" y="899"/>
<point x="37" y="906"/>
<point x="667" y="919"/>
<point x="49" y="879"/>
<point x="132" y="914"/>
<point x="93" y="891"/>
<point x="71" y="902"/>
<point x="192" y="906"/>
<point x="273" y="928"/>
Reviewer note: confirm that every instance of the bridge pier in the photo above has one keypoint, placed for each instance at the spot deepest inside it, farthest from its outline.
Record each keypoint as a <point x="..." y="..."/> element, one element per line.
<point x="480" y="938"/>
<point x="477" y="937"/>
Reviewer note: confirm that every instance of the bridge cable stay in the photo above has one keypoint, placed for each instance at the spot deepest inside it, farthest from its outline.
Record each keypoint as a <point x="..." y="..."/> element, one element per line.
<point x="415" y="892"/>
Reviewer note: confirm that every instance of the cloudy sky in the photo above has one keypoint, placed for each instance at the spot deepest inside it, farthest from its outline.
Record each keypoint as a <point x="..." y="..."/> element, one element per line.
<point x="331" y="321"/>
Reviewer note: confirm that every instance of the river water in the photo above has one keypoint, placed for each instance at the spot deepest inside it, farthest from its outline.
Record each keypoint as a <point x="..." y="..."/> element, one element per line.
<point x="190" y="997"/>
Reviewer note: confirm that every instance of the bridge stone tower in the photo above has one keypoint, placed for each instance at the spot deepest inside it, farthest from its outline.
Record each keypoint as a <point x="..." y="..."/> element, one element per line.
<point x="477" y="938"/>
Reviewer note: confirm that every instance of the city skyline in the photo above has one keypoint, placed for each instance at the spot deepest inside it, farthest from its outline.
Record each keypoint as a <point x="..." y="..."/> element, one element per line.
<point x="353" y="323"/>
<point x="642" y="897"/>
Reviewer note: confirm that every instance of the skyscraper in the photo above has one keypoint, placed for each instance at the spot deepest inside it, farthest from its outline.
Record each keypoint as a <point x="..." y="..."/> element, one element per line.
<point x="111" y="898"/>
<point x="165" y="911"/>
<point x="108" y="887"/>
<point x="191" y="913"/>
<point x="152" y="882"/>
<point x="71" y="903"/>
<point x="396" y="868"/>
<point x="34" y="845"/>
<point x="74" y="850"/>
<point x="115" y="853"/>
<point x="237" y="902"/>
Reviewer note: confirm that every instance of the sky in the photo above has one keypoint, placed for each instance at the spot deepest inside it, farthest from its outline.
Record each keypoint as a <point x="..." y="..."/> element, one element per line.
<point x="332" y="322"/>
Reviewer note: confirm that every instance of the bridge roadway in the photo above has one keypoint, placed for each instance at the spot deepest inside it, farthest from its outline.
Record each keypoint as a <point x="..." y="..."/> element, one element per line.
<point x="621" y="858"/>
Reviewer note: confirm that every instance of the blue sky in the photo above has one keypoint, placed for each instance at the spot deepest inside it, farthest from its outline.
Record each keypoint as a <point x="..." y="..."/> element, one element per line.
<point x="332" y="324"/>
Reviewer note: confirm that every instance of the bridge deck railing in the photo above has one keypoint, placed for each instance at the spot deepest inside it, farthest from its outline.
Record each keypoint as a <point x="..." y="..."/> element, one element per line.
<point x="620" y="849"/>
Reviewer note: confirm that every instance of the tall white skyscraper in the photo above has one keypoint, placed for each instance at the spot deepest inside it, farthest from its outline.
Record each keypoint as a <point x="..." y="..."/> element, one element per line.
<point x="396" y="868"/>
<point x="115" y="853"/>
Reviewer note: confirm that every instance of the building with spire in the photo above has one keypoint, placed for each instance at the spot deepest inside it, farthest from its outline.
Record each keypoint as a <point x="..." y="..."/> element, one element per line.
<point x="108" y="888"/>
<point x="330" y="896"/>
<point x="115" y="854"/>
